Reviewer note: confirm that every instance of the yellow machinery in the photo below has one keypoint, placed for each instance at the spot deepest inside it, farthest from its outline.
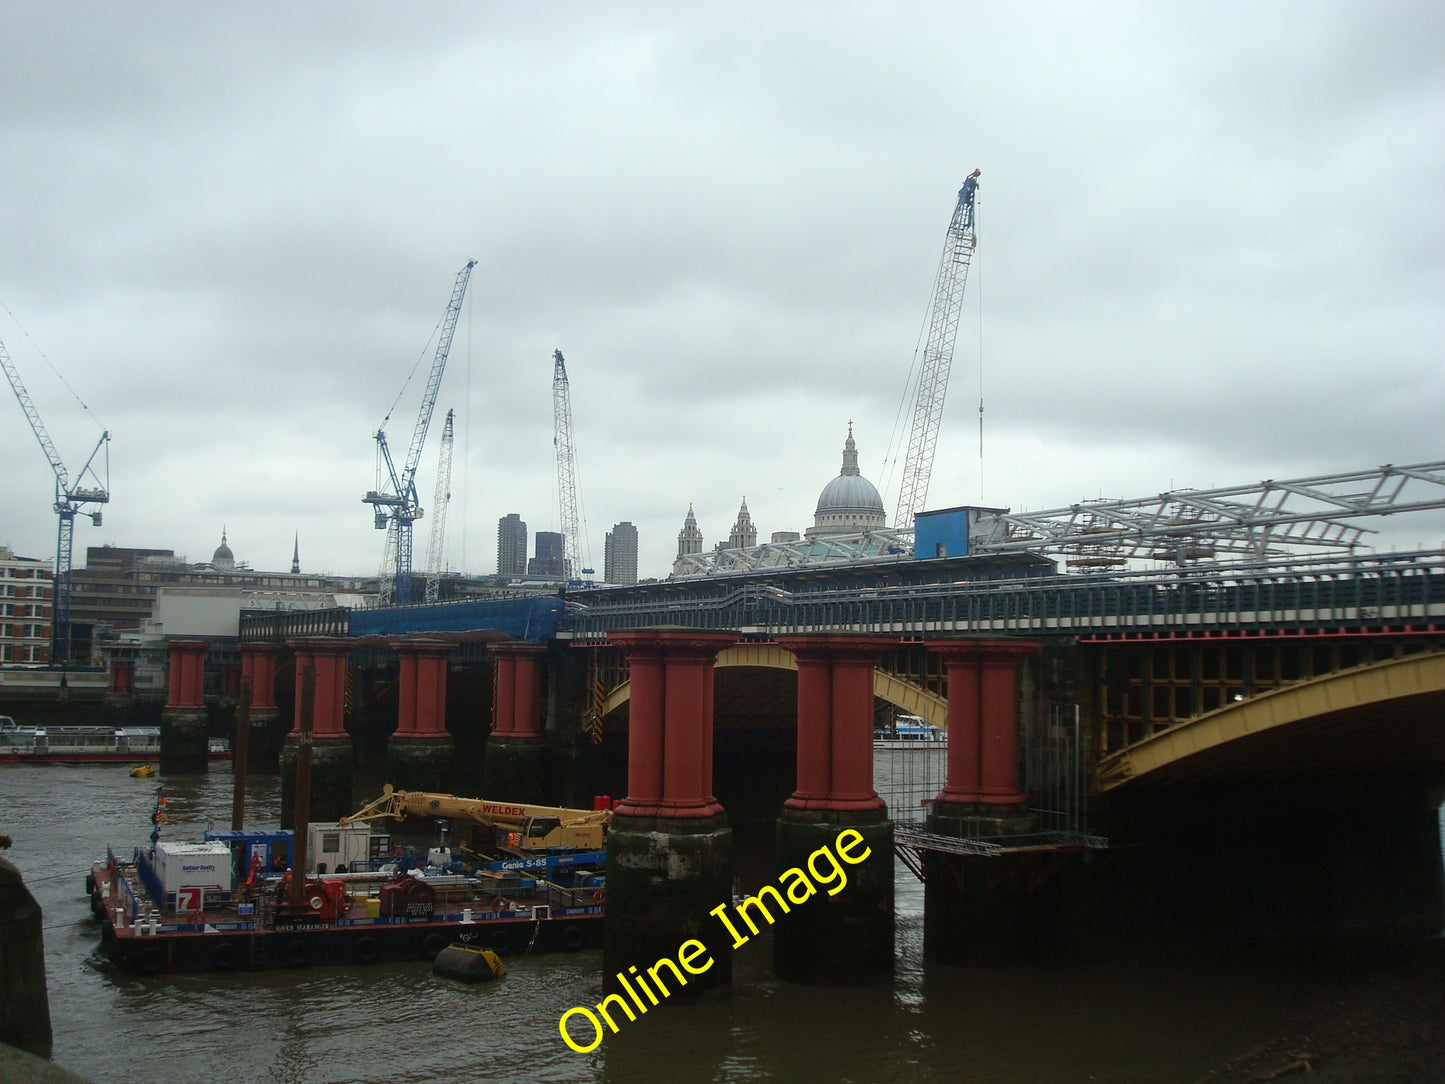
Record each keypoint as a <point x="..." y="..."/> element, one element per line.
<point x="519" y="828"/>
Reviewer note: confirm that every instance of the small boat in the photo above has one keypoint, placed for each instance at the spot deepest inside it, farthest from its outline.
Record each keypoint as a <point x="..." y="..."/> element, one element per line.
<point x="908" y="730"/>
<point x="143" y="771"/>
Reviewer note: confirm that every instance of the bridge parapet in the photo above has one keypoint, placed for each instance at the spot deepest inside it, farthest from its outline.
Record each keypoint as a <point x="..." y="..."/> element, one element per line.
<point x="1396" y="591"/>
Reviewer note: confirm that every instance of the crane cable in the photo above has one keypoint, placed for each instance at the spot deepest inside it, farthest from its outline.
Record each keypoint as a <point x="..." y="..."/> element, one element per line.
<point x="83" y="405"/>
<point x="978" y="293"/>
<point x="425" y="349"/>
<point x="897" y="447"/>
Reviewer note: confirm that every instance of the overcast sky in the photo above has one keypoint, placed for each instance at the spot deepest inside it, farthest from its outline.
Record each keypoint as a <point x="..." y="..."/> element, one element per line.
<point x="1211" y="251"/>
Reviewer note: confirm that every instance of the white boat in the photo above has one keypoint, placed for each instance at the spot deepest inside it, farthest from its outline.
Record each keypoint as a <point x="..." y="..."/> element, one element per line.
<point x="76" y="744"/>
<point x="908" y="730"/>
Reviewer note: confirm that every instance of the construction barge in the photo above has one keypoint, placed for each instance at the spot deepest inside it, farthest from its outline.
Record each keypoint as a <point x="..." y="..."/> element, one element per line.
<point x="228" y="903"/>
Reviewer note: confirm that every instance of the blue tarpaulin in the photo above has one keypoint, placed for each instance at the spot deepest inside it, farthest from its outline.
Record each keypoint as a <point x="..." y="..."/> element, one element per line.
<point x="534" y="618"/>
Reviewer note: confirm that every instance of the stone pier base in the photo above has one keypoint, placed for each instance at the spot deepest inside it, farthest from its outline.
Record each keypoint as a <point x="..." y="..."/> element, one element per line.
<point x="184" y="738"/>
<point x="973" y="916"/>
<point x="980" y="911"/>
<point x="663" y="877"/>
<point x="264" y="737"/>
<point x="517" y="770"/>
<point x="331" y="777"/>
<point x="119" y="708"/>
<point x="844" y="939"/>
<point x="424" y="764"/>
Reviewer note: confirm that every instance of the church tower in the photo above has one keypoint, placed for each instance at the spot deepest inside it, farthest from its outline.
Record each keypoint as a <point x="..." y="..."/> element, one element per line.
<point x="744" y="535"/>
<point x="689" y="539"/>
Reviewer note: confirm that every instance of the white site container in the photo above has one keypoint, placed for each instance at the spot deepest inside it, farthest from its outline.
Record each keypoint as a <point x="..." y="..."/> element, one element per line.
<point x="338" y="845"/>
<point x="187" y="865"/>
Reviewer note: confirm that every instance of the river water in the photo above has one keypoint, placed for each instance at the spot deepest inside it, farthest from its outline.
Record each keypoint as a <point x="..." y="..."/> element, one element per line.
<point x="1167" y="1020"/>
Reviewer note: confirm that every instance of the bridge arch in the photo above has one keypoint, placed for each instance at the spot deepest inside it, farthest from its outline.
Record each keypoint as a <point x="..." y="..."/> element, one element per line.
<point x="1381" y="717"/>
<point x="902" y="694"/>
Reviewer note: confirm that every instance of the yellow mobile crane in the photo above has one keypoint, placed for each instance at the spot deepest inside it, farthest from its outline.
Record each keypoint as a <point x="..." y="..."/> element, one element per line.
<point x="520" y="828"/>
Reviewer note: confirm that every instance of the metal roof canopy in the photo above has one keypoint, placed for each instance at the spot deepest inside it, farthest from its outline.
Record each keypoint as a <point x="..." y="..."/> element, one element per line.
<point x="1264" y="519"/>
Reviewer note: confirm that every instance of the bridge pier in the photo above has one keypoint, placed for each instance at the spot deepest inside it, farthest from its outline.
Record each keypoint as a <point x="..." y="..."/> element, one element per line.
<point x="669" y="853"/>
<point x="120" y="682"/>
<point x="517" y="765"/>
<point x="184" y="720"/>
<point x="974" y="911"/>
<point x="844" y="938"/>
<point x="331" y="753"/>
<point x="265" y="733"/>
<point x="420" y="755"/>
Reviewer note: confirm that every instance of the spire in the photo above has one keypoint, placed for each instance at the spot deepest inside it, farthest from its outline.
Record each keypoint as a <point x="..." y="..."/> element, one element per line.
<point x="296" y="554"/>
<point x="744" y="534"/>
<point x="689" y="539"/>
<point x="850" y="453"/>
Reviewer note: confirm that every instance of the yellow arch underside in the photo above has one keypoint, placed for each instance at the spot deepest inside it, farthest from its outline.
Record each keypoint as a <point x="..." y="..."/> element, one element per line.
<point x="1360" y="688"/>
<point x="903" y="694"/>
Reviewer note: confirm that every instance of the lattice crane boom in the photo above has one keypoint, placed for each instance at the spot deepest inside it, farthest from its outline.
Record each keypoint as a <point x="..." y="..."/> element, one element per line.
<point x="566" y="466"/>
<point x="398" y="506"/>
<point x="948" y="287"/>
<point x="435" y="553"/>
<point x="70" y="501"/>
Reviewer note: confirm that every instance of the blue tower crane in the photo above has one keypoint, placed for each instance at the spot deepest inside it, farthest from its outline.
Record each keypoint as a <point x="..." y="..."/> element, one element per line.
<point x="70" y="500"/>
<point x="397" y="507"/>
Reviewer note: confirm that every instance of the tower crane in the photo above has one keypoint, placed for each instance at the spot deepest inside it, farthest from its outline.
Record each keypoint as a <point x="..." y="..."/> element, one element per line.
<point x="70" y="500"/>
<point x="443" y="497"/>
<point x="398" y="506"/>
<point x="948" y="287"/>
<point x="566" y="467"/>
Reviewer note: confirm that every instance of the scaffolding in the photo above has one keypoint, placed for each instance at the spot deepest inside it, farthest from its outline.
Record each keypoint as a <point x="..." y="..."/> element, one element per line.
<point x="910" y="776"/>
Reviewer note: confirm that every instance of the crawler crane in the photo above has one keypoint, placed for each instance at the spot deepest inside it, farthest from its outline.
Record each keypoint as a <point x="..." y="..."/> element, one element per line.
<point x="948" y="287"/>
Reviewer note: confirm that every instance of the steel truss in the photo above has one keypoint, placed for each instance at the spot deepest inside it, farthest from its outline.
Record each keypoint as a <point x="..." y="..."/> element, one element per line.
<point x="1265" y="519"/>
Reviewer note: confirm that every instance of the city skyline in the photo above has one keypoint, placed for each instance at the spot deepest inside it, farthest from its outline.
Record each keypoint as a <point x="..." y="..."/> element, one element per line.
<point x="1209" y="250"/>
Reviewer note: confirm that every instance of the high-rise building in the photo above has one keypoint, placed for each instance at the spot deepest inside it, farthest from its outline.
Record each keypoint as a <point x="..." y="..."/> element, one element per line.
<point x="550" y="561"/>
<point x="620" y="561"/>
<point x="511" y="545"/>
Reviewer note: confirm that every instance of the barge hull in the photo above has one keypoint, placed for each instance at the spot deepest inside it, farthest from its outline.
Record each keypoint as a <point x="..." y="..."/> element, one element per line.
<point x="259" y="950"/>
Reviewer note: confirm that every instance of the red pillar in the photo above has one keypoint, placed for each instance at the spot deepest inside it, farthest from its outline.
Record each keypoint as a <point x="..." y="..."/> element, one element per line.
<point x="422" y="689"/>
<point x="527" y="721"/>
<point x="121" y="680"/>
<point x="999" y="751"/>
<point x="329" y="657"/>
<point x="983" y="715"/>
<point x="669" y="758"/>
<point x="965" y="715"/>
<point x="505" y="683"/>
<point x="258" y="662"/>
<point x="185" y="674"/>
<point x="519" y="689"/>
<point x="644" y="727"/>
<point x="835" y="721"/>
